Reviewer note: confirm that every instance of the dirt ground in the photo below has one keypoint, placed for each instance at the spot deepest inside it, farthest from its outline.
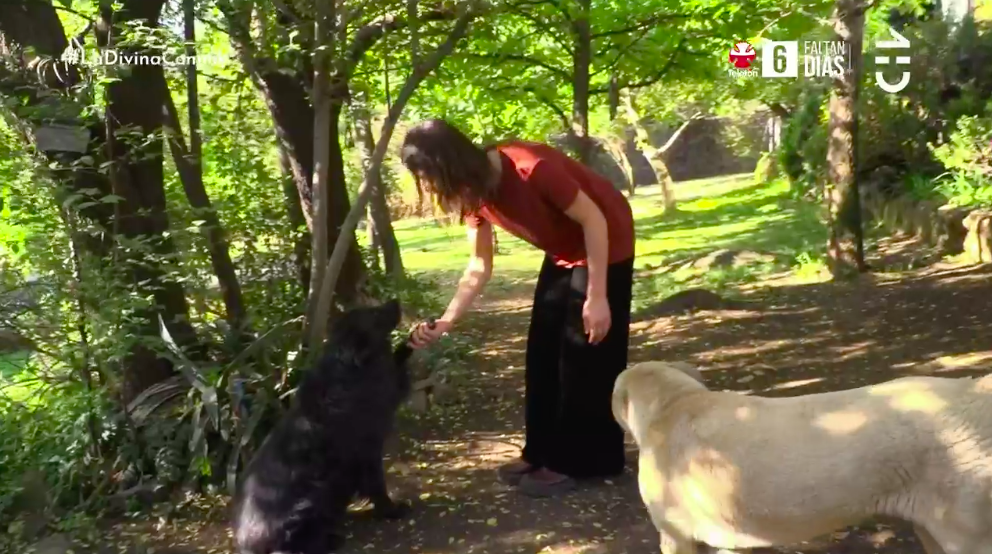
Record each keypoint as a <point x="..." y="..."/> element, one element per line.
<point x="804" y="339"/>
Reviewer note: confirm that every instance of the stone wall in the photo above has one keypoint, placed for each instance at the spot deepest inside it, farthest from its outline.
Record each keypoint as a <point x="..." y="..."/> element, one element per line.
<point x="703" y="150"/>
<point x="950" y="229"/>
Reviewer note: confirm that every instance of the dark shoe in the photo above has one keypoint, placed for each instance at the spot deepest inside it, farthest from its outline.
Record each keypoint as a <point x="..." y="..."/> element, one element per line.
<point x="546" y="484"/>
<point x="511" y="473"/>
<point x="393" y="510"/>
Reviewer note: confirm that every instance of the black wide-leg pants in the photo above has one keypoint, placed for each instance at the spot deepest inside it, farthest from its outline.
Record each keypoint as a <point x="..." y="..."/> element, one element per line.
<point x="569" y="419"/>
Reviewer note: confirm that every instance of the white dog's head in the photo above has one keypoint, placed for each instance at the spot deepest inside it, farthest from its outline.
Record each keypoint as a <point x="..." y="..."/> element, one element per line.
<point x="652" y="382"/>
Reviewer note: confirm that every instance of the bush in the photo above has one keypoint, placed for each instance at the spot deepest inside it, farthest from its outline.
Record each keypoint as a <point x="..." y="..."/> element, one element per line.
<point x="967" y="156"/>
<point x="766" y="169"/>
<point x="803" y="150"/>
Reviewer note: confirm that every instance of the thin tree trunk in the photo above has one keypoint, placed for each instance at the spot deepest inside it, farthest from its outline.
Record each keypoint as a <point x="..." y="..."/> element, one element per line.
<point x="581" y="60"/>
<point x="373" y="237"/>
<point x="467" y="11"/>
<point x="845" y="246"/>
<point x="380" y="225"/>
<point x="294" y="210"/>
<point x="189" y="163"/>
<point x="321" y="98"/>
<point x="135" y="103"/>
<point x="656" y="156"/>
<point x="287" y="96"/>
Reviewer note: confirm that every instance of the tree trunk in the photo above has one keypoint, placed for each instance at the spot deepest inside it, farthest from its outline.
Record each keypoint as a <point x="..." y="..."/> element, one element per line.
<point x="373" y="237"/>
<point x="845" y="246"/>
<point x="380" y="225"/>
<point x="581" y="60"/>
<point x="655" y="156"/>
<point x="322" y="105"/>
<point x="135" y="103"/>
<point x="301" y="244"/>
<point x="189" y="164"/>
<point x="288" y="102"/>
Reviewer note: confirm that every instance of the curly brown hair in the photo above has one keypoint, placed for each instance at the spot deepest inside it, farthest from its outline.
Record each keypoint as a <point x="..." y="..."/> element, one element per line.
<point x="447" y="165"/>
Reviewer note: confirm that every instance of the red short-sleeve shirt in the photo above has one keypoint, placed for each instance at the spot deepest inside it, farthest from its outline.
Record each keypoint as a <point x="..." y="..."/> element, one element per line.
<point x="537" y="185"/>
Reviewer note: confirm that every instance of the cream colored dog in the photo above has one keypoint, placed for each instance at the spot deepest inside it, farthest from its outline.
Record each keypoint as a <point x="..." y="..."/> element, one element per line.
<point x="737" y="472"/>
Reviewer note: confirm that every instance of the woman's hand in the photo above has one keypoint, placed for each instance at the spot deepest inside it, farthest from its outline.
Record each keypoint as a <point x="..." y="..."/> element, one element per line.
<point x="427" y="332"/>
<point x="596" y="318"/>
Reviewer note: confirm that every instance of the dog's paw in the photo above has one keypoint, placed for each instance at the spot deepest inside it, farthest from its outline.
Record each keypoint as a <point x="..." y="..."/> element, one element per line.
<point x="393" y="510"/>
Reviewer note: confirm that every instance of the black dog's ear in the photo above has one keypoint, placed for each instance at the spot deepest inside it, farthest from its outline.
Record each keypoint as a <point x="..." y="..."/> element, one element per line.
<point x="392" y="312"/>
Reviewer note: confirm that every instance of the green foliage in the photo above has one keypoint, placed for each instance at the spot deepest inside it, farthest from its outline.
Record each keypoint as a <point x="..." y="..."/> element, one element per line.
<point x="804" y="143"/>
<point x="47" y="429"/>
<point x="961" y="191"/>
<point x="968" y="151"/>
<point x="936" y="127"/>
<point x="967" y="155"/>
<point x="920" y="187"/>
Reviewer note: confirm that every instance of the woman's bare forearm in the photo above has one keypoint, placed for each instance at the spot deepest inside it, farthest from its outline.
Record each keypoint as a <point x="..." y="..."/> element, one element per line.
<point x="471" y="284"/>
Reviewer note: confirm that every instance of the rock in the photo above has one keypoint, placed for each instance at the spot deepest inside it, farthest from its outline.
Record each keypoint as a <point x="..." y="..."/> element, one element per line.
<point x="906" y="215"/>
<point x="978" y="241"/>
<point x="52" y="544"/>
<point x="12" y="341"/>
<point x="925" y="220"/>
<point x="951" y="231"/>
<point x="444" y="394"/>
<point x="419" y="401"/>
<point x="692" y="300"/>
<point x="31" y="503"/>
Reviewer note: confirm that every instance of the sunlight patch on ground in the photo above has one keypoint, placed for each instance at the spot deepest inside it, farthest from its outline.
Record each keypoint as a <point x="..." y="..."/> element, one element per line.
<point x="854" y="350"/>
<point x="574" y="548"/>
<point x="794" y="384"/>
<point x="977" y="360"/>
<point x="482" y="452"/>
<point x="757" y="347"/>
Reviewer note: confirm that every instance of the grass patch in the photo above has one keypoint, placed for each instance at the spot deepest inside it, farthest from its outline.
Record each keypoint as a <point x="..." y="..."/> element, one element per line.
<point x="17" y="383"/>
<point x="729" y="212"/>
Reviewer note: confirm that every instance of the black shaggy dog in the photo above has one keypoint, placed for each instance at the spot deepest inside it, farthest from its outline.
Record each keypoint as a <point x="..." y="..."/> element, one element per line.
<point x="328" y="448"/>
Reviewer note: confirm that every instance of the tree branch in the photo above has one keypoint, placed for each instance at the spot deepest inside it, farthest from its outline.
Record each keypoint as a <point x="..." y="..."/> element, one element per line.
<point x="678" y="132"/>
<point x="648" y="81"/>
<point x="562" y="73"/>
<point x="287" y="12"/>
<point x="367" y="36"/>
<point x="556" y="3"/>
<point x="626" y="48"/>
<point x="641" y="25"/>
<point x="544" y="26"/>
<point x="543" y="99"/>
<point x="63" y="8"/>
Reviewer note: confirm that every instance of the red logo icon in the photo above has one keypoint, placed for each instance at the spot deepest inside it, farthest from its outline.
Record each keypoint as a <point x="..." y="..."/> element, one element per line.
<point x="742" y="54"/>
